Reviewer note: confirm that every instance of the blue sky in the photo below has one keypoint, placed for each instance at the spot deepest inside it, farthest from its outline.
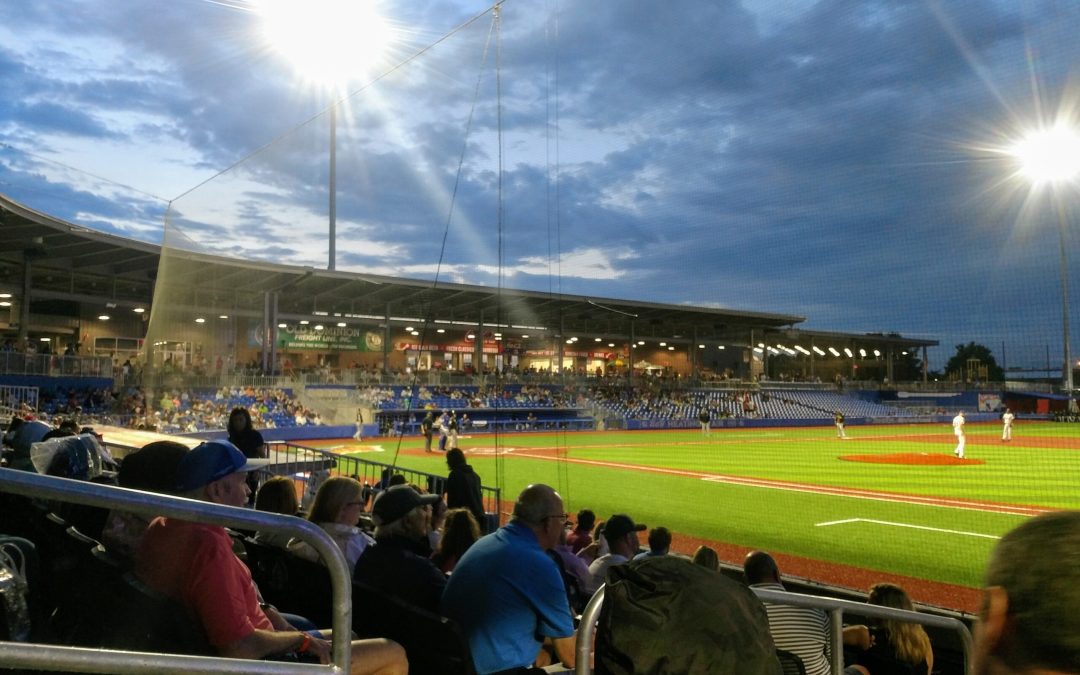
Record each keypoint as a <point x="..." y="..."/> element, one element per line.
<point x="832" y="159"/>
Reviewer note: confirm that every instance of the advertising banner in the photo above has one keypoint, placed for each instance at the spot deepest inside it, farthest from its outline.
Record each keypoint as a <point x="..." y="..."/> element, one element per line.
<point x="331" y="338"/>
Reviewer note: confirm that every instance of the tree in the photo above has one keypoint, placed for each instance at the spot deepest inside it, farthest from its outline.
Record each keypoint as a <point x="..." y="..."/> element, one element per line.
<point x="968" y="362"/>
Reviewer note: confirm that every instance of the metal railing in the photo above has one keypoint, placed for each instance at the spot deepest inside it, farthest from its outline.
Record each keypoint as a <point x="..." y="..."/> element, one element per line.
<point x="55" y="365"/>
<point x="85" y="660"/>
<point x="291" y="458"/>
<point x="834" y="606"/>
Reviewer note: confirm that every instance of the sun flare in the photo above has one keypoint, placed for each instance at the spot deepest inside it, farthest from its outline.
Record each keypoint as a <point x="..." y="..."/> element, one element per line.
<point x="328" y="41"/>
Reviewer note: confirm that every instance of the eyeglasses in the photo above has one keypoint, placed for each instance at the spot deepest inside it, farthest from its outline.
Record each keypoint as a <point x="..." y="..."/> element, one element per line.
<point x="561" y="516"/>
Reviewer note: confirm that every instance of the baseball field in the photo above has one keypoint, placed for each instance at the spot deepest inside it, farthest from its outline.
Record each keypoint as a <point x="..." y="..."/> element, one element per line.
<point x="890" y="502"/>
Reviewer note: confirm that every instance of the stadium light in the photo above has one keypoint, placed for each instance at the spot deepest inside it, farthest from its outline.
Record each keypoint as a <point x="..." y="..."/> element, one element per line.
<point x="283" y="325"/>
<point x="1049" y="157"/>
<point x="832" y="350"/>
<point x="818" y="350"/>
<point x="197" y="320"/>
<point x="877" y="352"/>
<point x="848" y="352"/>
<point x="139" y="310"/>
<point x="719" y="346"/>
<point x="862" y="353"/>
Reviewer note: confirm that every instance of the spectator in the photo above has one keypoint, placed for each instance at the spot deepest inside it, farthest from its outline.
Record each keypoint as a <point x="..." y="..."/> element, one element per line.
<point x="463" y="486"/>
<point x="803" y="631"/>
<point x="897" y="647"/>
<point x="706" y="557"/>
<point x="460" y="532"/>
<point x="151" y="468"/>
<point x="242" y="434"/>
<point x="620" y="531"/>
<point x="277" y="495"/>
<point x="659" y="543"/>
<point x="1028" y="623"/>
<point x="581" y="536"/>
<point x="194" y="564"/>
<point x="337" y="508"/>
<point x="506" y="593"/>
<point x="597" y="548"/>
<point x="574" y="571"/>
<point x="398" y="564"/>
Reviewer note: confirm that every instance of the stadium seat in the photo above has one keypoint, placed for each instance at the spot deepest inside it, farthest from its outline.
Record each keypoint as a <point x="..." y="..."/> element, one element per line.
<point x="434" y="644"/>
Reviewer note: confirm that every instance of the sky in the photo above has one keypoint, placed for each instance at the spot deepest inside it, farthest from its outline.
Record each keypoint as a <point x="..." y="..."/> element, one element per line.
<point x="841" y="160"/>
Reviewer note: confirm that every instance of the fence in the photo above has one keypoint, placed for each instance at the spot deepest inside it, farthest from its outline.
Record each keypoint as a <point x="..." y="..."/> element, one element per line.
<point x="52" y="365"/>
<point x="834" y="606"/>
<point x="291" y="459"/>
<point x="16" y="401"/>
<point x="82" y="660"/>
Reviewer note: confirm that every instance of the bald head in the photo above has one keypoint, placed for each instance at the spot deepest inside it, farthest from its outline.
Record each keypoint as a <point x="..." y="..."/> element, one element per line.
<point x="535" y="503"/>
<point x="760" y="568"/>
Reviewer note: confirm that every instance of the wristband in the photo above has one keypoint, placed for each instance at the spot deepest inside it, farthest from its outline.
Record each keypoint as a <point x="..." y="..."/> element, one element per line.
<point x="304" y="644"/>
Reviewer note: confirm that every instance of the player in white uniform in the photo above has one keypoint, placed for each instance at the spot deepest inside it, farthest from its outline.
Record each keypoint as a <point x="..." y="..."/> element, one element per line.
<point x="1006" y="425"/>
<point x="958" y="429"/>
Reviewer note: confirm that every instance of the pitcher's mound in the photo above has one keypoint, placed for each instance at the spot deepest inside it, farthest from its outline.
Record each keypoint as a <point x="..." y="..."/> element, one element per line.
<point x="918" y="458"/>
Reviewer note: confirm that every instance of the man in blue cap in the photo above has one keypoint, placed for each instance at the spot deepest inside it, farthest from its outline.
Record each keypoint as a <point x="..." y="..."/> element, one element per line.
<point x="194" y="564"/>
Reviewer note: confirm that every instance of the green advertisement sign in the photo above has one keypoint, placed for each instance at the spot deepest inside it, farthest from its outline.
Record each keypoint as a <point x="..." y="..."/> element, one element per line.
<point x="349" y="338"/>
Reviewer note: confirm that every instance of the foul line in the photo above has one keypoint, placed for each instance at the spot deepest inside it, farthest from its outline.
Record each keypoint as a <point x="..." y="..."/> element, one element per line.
<point x="909" y="525"/>
<point x="854" y="493"/>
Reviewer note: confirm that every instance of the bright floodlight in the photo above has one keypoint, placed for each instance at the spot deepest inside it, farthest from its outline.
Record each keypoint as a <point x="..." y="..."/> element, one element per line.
<point x="327" y="41"/>
<point x="1049" y="155"/>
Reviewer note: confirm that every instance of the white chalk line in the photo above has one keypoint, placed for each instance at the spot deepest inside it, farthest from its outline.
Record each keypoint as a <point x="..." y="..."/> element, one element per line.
<point x="808" y="488"/>
<point x="908" y="525"/>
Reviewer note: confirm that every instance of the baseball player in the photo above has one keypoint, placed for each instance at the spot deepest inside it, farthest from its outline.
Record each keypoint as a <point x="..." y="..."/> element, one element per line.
<point x="958" y="429"/>
<point x="1006" y="425"/>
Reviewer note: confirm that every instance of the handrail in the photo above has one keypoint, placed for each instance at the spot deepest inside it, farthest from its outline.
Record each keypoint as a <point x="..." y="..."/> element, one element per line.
<point x="835" y="607"/>
<point x="74" y="659"/>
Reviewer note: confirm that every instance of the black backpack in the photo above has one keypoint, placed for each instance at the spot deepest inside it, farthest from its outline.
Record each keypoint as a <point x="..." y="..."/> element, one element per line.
<point x="664" y="615"/>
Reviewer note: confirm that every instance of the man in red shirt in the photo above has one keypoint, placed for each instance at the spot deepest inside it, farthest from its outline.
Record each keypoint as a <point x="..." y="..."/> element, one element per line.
<point x="194" y="564"/>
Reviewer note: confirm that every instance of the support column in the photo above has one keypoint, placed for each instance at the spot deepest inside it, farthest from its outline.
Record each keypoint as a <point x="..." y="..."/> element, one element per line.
<point x="630" y="354"/>
<point x="560" y="348"/>
<point x="265" y="331"/>
<point x="478" y="347"/>
<point x="273" y="329"/>
<point x="24" y="302"/>
<point x="386" y="342"/>
<point x="924" y="368"/>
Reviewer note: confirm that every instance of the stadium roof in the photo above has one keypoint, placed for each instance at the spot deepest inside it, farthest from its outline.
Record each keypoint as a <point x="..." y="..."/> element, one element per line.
<point x="74" y="263"/>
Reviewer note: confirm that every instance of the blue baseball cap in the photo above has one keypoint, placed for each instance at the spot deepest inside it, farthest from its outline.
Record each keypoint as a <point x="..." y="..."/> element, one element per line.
<point x="211" y="461"/>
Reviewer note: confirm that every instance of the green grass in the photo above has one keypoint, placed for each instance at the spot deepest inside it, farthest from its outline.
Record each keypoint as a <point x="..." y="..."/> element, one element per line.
<point x="782" y="520"/>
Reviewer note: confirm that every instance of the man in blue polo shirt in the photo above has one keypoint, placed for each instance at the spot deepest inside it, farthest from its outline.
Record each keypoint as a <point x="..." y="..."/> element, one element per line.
<point x="507" y="594"/>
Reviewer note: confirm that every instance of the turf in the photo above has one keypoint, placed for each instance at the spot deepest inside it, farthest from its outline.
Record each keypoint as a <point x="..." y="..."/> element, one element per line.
<point x="934" y="542"/>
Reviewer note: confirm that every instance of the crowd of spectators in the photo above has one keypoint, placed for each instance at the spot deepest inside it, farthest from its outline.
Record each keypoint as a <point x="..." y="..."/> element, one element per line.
<point x="514" y="592"/>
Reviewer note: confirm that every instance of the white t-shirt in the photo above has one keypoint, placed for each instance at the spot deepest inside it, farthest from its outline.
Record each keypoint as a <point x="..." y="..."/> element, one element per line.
<point x="958" y="425"/>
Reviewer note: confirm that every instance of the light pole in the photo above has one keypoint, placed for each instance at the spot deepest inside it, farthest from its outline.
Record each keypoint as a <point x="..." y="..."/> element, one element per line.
<point x="1050" y="157"/>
